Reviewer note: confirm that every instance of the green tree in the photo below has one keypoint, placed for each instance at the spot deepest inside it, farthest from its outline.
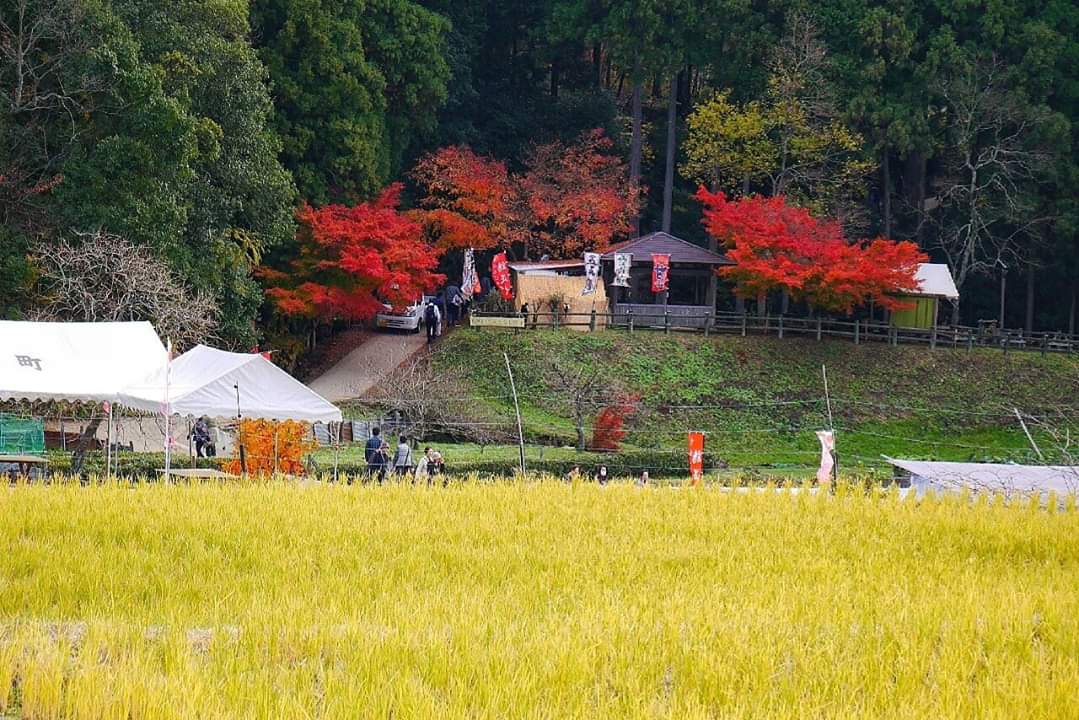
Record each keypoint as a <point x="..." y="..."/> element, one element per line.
<point x="354" y="83"/>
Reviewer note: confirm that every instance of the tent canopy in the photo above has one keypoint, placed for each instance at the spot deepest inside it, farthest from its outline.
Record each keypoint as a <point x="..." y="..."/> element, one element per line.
<point x="205" y="381"/>
<point x="75" y="361"/>
<point x="998" y="477"/>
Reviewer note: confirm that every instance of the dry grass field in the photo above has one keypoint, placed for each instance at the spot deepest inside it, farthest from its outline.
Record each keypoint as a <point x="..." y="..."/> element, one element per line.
<point x="531" y="600"/>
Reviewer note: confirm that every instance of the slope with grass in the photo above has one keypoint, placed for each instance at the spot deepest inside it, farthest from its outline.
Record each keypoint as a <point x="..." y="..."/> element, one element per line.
<point x="760" y="399"/>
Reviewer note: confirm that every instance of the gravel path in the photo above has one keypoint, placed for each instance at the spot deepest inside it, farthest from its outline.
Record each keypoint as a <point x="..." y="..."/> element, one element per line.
<point x="358" y="371"/>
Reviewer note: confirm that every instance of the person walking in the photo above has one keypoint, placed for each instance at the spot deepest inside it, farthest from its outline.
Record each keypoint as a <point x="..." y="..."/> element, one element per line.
<point x="431" y="318"/>
<point x="402" y="460"/>
<point x="201" y="435"/>
<point x="423" y="470"/>
<point x="374" y="453"/>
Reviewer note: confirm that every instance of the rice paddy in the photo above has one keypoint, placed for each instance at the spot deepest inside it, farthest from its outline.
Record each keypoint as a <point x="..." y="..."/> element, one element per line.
<point x="532" y="600"/>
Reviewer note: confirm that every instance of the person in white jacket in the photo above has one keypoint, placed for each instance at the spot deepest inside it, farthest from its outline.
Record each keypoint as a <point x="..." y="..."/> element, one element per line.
<point x="423" y="472"/>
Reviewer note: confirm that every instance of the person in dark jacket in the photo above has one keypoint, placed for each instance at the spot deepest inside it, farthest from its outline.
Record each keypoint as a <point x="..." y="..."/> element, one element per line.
<point x="375" y="454"/>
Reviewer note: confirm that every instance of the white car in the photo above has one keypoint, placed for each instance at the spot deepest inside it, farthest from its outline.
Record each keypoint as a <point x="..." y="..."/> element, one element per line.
<point x="410" y="319"/>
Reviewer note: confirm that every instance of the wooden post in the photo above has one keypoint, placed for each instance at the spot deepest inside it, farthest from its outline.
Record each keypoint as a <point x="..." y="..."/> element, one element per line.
<point x="743" y="323"/>
<point x="818" y="328"/>
<point x="592" y="322"/>
<point x="970" y="341"/>
<point x="1045" y="343"/>
<point x="666" y="320"/>
<point x="707" y="321"/>
<point x="629" y="319"/>
<point x="857" y="329"/>
<point x="781" y="326"/>
<point x="933" y="337"/>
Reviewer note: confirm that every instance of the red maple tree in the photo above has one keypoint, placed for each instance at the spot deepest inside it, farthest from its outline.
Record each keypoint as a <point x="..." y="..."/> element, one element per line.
<point x="776" y="246"/>
<point x="352" y="259"/>
<point x="579" y="196"/>
<point x="608" y="430"/>
<point x="570" y="198"/>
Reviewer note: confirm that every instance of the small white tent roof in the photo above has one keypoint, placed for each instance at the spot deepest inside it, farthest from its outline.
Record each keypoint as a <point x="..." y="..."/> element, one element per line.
<point x="75" y="361"/>
<point x="204" y="381"/>
<point x="993" y="477"/>
<point x="935" y="280"/>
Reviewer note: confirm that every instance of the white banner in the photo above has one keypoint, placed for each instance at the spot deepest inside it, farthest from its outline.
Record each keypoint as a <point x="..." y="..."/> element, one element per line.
<point x="591" y="273"/>
<point x="468" y="277"/>
<point x="622" y="262"/>
<point x="827" y="459"/>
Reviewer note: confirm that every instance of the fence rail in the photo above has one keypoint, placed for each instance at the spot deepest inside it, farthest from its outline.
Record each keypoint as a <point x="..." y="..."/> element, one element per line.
<point x="679" y="319"/>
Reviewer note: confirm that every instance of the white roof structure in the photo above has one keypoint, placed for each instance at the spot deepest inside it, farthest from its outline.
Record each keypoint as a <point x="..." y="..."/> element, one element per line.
<point x="935" y="280"/>
<point x="75" y="361"/>
<point x="205" y="381"/>
<point x="991" y="477"/>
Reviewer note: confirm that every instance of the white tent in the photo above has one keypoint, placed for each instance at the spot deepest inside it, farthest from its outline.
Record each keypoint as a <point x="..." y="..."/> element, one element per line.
<point x="205" y="381"/>
<point x="75" y="361"/>
<point x="990" y="477"/>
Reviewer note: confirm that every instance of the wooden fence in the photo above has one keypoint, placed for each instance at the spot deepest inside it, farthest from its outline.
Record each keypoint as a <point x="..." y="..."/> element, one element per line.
<point x="673" y="318"/>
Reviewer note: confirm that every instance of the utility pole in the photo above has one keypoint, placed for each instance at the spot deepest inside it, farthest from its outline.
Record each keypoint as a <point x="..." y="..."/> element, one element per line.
<point x="517" y="410"/>
<point x="831" y="426"/>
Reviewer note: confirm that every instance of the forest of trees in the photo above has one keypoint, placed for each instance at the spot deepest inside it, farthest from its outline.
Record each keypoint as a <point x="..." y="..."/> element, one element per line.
<point x="221" y="135"/>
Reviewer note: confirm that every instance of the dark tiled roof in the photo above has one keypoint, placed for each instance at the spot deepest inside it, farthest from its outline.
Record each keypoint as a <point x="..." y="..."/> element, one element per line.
<point x="663" y="243"/>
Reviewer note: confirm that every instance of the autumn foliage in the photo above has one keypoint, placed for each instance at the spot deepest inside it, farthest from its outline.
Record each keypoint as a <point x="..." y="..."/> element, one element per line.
<point x="776" y="246"/>
<point x="259" y="439"/>
<point x="351" y="259"/>
<point x="608" y="430"/>
<point x="569" y="198"/>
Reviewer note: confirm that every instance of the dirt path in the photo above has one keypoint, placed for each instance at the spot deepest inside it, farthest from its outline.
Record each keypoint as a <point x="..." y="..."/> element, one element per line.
<point x="358" y="371"/>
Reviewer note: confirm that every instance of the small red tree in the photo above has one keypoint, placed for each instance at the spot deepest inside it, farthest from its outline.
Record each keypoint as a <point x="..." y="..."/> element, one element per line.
<point x="352" y="259"/>
<point x="776" y="246"/>
<point x="608" y="430"/>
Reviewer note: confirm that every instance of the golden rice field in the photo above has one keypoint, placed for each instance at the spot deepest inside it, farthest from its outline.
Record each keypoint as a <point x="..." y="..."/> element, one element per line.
<point x="531" y="600"/>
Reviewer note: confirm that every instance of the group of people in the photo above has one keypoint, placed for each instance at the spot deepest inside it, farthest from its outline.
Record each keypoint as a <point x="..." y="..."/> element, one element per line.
<point x="383" y="461"/>
<point x="602" y="476"/>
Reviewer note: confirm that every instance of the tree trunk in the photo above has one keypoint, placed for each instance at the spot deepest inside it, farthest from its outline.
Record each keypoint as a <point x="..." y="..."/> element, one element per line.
<point x="1071" y="309"/>
<point x="1028" y="324"/>
<point x="555" y="70"/>
<point x="745" y="184"/>
<point x="886" y="189"/>
<point x="83" y="445"/>
<point x="635" y="150"/>
<point x="672" y="144"/>
<point x="580" y="432"/>
<point x="955" y="313"/>
<point x="597" y="65"/>
<point x="914" y="181"/>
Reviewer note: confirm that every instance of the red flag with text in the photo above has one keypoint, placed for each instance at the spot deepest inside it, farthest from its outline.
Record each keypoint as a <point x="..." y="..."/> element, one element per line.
<point x="500" y="272"/>
<point x="661" y="272"/>
<point x="696" y="457"/>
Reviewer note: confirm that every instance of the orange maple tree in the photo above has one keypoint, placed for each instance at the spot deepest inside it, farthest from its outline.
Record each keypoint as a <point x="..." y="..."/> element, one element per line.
<point x="569" y="198"/>
<point x="271" y="446"/>
<point x="353" y="259"/>
<point x="776" y="246"/>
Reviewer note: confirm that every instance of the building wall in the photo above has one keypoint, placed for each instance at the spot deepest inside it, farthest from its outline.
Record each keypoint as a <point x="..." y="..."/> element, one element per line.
<point x="537" y="289"/>
<point x="922" y="313"/>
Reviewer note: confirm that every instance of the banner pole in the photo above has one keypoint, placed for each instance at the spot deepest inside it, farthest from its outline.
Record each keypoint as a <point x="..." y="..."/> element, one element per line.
<point x="168" y="410"/>
<point x="517" y="409"/>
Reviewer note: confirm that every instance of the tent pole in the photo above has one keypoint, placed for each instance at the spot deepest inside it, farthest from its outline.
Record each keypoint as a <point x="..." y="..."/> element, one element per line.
<point x="108" y="443"/>
<point x="337" y="449"/>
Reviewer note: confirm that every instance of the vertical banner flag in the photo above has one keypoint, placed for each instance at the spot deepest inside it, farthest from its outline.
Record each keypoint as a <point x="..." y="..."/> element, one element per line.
<point x="696" y="457"/>
<point x="827" y="458"/>
<point x="622" y="262"/>
<point x="591" y="273"/>
<point x="469" y="279"/>
<point x="661" y="270"/>
<point x="500" y="273"/>
<point x="166" y="408"/>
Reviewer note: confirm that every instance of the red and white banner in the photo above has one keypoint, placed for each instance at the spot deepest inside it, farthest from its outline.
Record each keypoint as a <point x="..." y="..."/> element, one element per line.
<point x="827" y="455"/>
<point x="696" y="457"/>
<point x="500" y="273"/>
<point x="661" y="272"/>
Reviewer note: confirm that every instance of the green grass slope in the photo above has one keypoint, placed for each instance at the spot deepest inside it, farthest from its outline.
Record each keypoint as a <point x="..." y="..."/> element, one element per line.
<point x="760" y="399"/>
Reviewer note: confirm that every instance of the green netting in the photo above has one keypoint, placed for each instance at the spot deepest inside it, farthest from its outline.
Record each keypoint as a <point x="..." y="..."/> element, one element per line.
<point x="20" y="436"/>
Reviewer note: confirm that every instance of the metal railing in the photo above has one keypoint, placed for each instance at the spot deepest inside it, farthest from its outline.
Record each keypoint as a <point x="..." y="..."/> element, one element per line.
<point x="674" y="318"/>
